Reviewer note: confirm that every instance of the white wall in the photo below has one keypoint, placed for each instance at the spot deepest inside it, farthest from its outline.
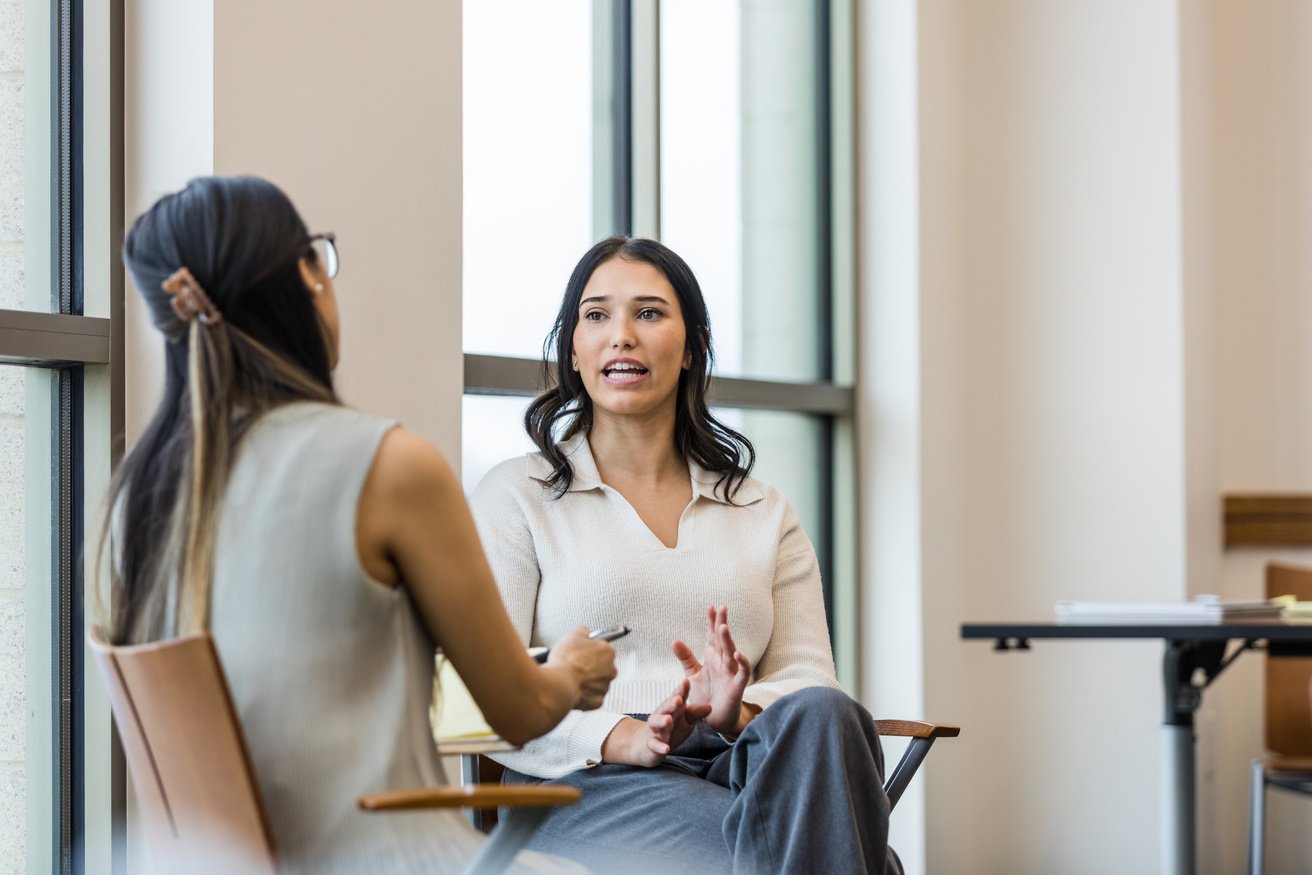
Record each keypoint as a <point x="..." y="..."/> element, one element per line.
<point x="168" y="138"/>
<point x="1080" y="267"/>
<point x="889" y="426"/>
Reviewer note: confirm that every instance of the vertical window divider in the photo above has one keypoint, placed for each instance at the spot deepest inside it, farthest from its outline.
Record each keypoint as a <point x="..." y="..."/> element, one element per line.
<point x="824" y="303"/>
<point x="66" y="163"/>
<point x="645" y="118"/>
<point x="612" y="117"/>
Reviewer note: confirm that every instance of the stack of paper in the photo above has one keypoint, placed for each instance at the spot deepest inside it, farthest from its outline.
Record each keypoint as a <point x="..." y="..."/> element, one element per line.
<point x="1203" y="609"/>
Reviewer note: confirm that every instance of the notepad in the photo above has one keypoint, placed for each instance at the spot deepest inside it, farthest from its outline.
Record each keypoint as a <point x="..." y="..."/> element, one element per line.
<point x="457" y="722"/>
<point x="1203" y="609"/>
<point x="1292" y="609"/>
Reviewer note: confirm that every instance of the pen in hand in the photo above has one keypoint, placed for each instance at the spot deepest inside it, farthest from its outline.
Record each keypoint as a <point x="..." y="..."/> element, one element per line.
<point x="610" y="634"/>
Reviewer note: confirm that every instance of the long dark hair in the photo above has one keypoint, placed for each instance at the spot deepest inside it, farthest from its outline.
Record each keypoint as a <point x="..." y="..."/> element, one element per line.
<point x="566" y="408"/>
<point x="242" y="241"/>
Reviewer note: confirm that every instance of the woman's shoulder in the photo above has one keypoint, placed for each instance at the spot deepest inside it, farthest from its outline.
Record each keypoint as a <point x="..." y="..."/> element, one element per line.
<point x="522" y="474"/>
<point x="317" y="414"/>
<point x="736" y="490"/>
<point x="314" y="428"/>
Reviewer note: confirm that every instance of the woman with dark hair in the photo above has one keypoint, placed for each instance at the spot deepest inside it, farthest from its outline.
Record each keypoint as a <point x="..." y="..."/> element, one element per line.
<point x="640" y="508"/>
<point x="325" y="550"/>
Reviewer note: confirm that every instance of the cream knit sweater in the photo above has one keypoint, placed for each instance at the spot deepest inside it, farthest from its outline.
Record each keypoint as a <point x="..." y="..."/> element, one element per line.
<point x="588" y="559"/>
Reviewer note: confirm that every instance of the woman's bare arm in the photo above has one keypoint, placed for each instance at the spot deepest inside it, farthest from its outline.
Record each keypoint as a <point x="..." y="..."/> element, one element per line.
<point x="414" y="529"/>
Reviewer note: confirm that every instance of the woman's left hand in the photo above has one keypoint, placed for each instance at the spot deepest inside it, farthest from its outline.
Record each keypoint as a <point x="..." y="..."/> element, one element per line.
<point x="720" y="679"/>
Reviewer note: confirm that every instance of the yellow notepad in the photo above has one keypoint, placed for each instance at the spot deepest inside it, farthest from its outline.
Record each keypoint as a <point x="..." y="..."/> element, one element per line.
<point x="457" y="722"/>
<point x="1292" y="608"/>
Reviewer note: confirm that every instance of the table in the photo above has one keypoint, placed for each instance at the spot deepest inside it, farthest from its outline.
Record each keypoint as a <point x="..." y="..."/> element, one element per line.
<point x="1195" y="654"/>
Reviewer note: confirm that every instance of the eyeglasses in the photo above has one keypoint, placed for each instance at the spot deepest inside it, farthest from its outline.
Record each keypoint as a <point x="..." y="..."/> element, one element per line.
<point x="325" y="249"/>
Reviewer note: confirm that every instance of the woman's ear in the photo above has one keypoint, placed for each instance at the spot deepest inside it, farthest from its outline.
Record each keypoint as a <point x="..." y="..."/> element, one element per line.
<point x="706" y="347"/>
<point x="310" y="276"/>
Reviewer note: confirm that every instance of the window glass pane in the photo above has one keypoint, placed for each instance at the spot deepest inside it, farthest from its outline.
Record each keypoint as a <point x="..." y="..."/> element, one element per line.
<point x="25" y="165"/>
<point x="701" y="217"/>
<point x="787" y="449"/>
<point x="25" y="550"/>
<point x="739" y="175"/>
<point x="492" y="430"/>
<point x="527" y="166"/>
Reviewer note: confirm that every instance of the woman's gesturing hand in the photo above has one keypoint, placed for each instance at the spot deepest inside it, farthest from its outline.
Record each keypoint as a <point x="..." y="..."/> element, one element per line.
<point x="671" y="723"/>
<point x="634" y="743"/>
<point x="592" y="663"/>
<point x="721" y="677"/>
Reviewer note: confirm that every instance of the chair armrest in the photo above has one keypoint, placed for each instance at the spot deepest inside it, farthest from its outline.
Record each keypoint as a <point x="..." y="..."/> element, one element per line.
<point x="922" y="737"/>
<point x="471" y="797"/>
<point x="916" y="729"/>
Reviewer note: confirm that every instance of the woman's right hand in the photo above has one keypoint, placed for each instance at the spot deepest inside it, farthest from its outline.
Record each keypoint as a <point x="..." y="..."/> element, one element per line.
<point x="591" y="662"/>
<point x="720" y="679"/>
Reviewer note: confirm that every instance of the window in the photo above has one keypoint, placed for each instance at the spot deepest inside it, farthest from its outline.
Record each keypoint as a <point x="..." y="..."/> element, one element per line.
<point x="741" y="181"/>
<point x="718" y="129"/>
<point x="25" y="413"/>
<point x="527" y="166"/>
<point x="49" y="353"/>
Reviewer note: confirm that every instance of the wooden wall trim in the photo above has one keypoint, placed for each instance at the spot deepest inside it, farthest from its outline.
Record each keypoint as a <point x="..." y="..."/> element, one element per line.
<point x="1268" y="520"/>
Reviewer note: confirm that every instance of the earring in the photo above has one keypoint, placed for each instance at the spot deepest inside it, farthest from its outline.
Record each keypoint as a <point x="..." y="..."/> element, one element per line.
<point x="574" y="363"/>
<point x="318" y="287"/>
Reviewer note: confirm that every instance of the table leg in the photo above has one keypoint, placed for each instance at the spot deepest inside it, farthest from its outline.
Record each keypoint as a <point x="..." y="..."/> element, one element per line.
<point x="1176" y="808"/>
<point x="1182" y="696"/>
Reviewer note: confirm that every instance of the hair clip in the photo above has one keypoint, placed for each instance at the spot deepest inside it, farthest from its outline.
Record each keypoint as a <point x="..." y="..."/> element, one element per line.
<point x="189" y="299"/>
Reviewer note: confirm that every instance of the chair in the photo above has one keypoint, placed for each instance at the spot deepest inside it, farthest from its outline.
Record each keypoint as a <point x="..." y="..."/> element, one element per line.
<point x="478" y="769"/>
<point x="199" y="801"/>
<point x="1288" y="718"/>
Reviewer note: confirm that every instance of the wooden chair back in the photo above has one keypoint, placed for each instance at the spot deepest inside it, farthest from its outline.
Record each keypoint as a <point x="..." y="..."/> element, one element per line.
<point x="1289" y="679"/>
<point x="187" y="757"/>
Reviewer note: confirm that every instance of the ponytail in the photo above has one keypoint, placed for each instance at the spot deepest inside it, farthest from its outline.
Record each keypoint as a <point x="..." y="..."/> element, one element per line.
<point x="257" y="344"/>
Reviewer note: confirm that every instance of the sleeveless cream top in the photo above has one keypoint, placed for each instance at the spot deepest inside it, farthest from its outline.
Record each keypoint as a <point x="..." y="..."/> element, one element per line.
<point x="331" y="671"/>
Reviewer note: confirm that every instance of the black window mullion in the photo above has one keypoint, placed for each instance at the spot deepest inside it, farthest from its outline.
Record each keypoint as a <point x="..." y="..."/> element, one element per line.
<point x="76" y="540"/>
<point x="67" y="272"/>
<point x="76" y="249"/>
<point x="60" y="612"/>
<point x="622" y="170"/>
<point x="826" y="540"/>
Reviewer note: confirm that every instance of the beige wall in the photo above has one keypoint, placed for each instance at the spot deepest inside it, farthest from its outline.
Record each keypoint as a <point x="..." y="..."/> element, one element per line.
<point x="356" y="115"/>
<point x="1084" y="306"/>
<point x="1261" y="264"/>
<point x="280" y="90"/>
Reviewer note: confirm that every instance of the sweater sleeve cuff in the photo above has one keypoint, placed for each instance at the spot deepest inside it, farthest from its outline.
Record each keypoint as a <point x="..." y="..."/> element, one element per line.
<point x="573" y="745"/>
<point x="587" y="736"/>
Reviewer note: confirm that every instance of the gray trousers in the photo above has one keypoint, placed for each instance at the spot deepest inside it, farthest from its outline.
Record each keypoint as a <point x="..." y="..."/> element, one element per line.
<point x="801" y="791"/>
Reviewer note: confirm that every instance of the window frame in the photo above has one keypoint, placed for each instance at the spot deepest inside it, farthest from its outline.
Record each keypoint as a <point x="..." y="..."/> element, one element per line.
<point x="84" y="355"/>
